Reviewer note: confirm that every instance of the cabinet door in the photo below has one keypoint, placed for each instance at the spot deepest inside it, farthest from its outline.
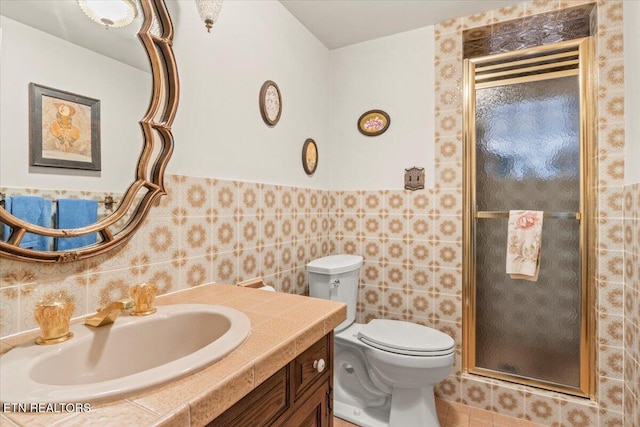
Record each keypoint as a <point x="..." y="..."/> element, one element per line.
<point x="310" y="366"/>
<point x="313" y="412"/>
<point x="262" y="406"/>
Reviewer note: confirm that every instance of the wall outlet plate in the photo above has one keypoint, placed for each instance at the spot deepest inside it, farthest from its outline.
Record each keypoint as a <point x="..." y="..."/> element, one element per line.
<point x="414" y="178"/>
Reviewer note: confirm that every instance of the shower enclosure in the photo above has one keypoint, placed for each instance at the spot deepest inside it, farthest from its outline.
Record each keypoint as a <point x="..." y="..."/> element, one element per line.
<point x="528" y="146"/>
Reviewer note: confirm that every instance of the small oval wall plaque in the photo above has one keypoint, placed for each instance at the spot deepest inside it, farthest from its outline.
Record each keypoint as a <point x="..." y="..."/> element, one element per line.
<point x="310" y="156"/>
<point x="374" y="123"/>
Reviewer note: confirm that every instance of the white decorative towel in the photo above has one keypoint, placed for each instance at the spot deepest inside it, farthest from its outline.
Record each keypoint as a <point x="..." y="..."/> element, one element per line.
<point x="523" y="244"/>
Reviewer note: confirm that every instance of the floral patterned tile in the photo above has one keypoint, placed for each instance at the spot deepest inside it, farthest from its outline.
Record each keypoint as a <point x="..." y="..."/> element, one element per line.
<point x="104" y="288"/>
<point x="450" y="26"/>
<point x="195" y="272"/>
<point x="286" y="205"/>
<point x="420" y="202"/>
<point x="610" y="45"/>
<point x="610" y="15"/>
<point x="448" y="123"/>
<point x="164" y="275"/>
<point x="477" y="20"/>
<point x="372" y="275"/>
<point x="249" y="231"/>
<point x="225" y="197"/>
<point x="195" y="236"/>
<point x="395" y="202"/>
<point x="542" y="409"/>
<point x="196" y="195"/>
<point x="248" y="198"/>
<point x="611" y="394"/>
<point x="576" y="415"/>
<point x="160" y="239"/>
<point x="541" y="6"/>
<point x="508" y="401"/>
<point x="225" y="268"/>
<point x="224" y="234"/>
<point x="268" y="199"/>
<point x="476" y="393"/>
<point x="509" y="13"/>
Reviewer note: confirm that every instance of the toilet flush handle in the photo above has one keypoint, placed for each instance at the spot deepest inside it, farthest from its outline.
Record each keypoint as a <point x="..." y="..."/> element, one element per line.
<point x="334" y="283"/>
<point x="319" y="365"/>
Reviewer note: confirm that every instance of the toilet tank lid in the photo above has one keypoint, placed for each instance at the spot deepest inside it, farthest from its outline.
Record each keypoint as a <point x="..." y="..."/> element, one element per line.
<point x="335" y="264"/>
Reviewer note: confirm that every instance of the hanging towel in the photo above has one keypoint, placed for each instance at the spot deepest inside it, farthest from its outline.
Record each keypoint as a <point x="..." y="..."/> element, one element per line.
<point x="75" y="213"/>
<point x="34" y="210"/>
<point x="523" y="244"/>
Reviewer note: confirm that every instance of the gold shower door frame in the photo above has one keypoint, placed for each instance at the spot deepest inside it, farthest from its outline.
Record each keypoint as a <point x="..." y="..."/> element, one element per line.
<point x="570" y="58"/>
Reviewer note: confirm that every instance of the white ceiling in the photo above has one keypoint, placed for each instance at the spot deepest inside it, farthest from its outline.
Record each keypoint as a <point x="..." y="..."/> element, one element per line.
<point x="336" y="23"/>
<point x="339" y="23"/>
<point x="64" y="19"/>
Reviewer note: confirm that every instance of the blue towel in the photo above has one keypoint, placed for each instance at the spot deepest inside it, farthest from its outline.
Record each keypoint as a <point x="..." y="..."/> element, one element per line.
<point x="34" y="210"/>
<point x="76" y="213"/>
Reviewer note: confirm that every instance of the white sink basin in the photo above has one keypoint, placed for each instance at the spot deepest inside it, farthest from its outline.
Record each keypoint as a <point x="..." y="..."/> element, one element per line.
<point x="134" y="353"/>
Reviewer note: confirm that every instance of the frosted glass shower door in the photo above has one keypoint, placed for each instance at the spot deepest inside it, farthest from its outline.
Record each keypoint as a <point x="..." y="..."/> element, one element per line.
<point x="528" y="158"/>
<point x="528" y="144"/>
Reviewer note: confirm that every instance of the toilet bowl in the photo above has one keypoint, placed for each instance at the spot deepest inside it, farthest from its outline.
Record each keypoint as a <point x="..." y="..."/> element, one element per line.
<point x="384" y="371"/>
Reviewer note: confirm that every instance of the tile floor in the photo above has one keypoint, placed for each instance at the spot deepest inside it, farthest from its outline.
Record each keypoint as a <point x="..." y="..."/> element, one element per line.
<point x="453" y="414"/>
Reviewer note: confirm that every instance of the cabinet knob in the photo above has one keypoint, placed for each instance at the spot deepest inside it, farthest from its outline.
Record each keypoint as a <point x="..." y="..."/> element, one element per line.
<point x="319" y="365"/>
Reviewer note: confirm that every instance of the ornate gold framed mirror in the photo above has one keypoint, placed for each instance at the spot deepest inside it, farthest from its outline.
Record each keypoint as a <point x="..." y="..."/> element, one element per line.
<point x="156" y="35"/>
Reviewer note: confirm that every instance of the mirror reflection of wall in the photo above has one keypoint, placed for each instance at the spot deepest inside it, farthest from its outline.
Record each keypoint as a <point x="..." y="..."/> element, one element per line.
<point x="30" y="55"/>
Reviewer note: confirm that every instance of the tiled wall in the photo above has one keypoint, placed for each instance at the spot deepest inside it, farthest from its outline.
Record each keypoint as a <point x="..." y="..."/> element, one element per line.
<point x="212" y="230"/>
<point x="412" y="241"/>
<point x="632" y="305"/>
<point x="205" y="230"/>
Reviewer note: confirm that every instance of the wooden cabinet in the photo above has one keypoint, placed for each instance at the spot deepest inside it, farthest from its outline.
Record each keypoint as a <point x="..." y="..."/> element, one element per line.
<point x="313" y="412"/>
<point x="298" y="395"/>
<point x="262" y="407"/>
<point x="309" y="366"/>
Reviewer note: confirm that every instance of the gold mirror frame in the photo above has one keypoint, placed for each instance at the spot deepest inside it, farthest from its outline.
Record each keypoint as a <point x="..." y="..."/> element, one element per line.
<point x="156" y="129"/>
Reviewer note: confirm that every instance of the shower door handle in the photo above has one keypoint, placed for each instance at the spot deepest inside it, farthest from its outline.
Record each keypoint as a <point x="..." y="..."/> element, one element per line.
<point x="553" y="215"/>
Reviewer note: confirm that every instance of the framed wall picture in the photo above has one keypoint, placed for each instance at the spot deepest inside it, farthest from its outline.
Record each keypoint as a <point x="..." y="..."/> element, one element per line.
<point x="374" y="123"/>
<point x="64" y="129"/>
<point x="310" y="156"/>
<point x="270" y="102"/>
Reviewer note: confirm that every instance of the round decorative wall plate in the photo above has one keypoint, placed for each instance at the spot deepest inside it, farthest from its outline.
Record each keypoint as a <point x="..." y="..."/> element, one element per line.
<point x="373" y="123"/>
<point x="270" y="103"/>
<point x="309" y="156"/>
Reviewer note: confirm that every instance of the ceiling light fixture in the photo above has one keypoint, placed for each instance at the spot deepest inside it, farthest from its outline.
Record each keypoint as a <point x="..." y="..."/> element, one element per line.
<point x="209" y="11"/>
<point x="110" y="13"/>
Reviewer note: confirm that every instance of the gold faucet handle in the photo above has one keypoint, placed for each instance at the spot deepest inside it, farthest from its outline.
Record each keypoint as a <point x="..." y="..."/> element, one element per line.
<point x="53" y="318"/>
<point x="144" y="295"/>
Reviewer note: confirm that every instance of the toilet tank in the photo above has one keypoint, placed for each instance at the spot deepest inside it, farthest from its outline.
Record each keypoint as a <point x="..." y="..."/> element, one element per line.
<point x="336" y="278"/>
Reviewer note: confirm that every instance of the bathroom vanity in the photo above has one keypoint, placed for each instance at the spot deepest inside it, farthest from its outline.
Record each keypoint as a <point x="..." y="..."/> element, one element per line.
<point x="276" y="377"/>
<point x="299" y="394"/>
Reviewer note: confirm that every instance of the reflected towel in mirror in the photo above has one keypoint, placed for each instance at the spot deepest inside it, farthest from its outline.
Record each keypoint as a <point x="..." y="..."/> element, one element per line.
<point x="34" y="210"/>
<point x="75" y="213"/>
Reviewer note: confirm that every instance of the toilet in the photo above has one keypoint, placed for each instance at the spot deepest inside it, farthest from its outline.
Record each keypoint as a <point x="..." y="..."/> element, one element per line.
<point x="384" y="371"/>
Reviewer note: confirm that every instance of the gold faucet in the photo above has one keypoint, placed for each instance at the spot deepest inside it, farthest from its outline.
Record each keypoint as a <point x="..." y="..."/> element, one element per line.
<point x="144" y="295"/>
<point x="108" y="314"/>
<point x="53" y="318"/>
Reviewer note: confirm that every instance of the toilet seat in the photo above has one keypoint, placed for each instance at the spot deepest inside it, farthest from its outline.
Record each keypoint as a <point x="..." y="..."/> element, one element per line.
<point x="406" y="338"/>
